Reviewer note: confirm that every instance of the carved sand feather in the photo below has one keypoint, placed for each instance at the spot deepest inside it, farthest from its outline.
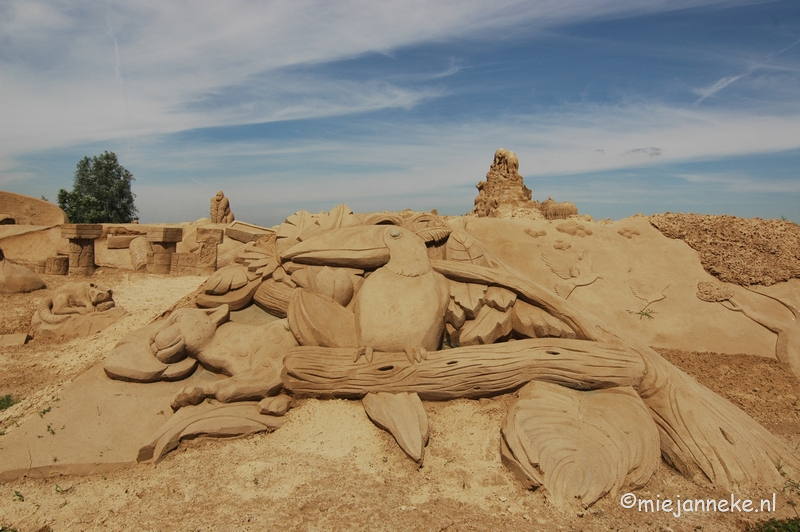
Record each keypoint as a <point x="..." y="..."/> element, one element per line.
<point x="290" y="232"/>
<point x="217" y="420"/>
<point x="402" y="415"/>
<point x="226" y="279"/>
<point x="383" y="218"/>
<point x="339" y="216"/>
<point x="488" y="326"/>
<point x="580" y="445"/>
<point x="433" y="234"/>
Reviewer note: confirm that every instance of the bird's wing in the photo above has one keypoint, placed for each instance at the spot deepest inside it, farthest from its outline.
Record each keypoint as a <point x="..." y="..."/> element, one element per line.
<point x="564" y="289"/>
<point x="640" y="290"/>
<point x="645" y="293"/>
<point x="584" y="265"/>
<point x="561" y="265"/>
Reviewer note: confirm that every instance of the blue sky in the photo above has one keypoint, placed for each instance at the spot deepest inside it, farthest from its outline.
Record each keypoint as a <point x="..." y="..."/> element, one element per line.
<point x="619" y="106"/>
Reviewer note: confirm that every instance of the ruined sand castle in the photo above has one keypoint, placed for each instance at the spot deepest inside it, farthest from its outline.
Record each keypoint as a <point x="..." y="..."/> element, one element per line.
<point x="398" y="309"/>
<point x="504" y="194"/>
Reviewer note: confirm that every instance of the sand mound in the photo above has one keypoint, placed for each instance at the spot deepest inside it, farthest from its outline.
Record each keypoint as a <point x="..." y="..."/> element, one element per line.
<point x="745" y="251"/>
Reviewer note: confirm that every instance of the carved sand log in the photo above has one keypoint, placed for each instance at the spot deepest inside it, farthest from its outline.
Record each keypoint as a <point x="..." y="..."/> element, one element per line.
<point x="139" y="248"/>
<point x="702" y="434"/>
<point x="579" y="445"/>
<point x="473" y="371"/>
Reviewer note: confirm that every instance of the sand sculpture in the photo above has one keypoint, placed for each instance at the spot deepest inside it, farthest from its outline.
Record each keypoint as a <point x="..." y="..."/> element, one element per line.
<point x="575" y="270"/>
<point x="503" y="188"/>
<point x="647" y="294"/>
<point x="221" y="209"/>
<point x="81" y="247"/>
<point x="26" y="210"/>
<point x="557" y="210"/>
<point x="504" y="193"/>
<point x="15" y="279"/>
<point x="393" y="310"/>
<point x="787" y="347"/>
<point x="75" y="309"/>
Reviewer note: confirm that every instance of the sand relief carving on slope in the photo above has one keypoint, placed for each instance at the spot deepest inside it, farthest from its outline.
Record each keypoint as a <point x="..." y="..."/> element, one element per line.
<point x="787" y="328"/>
<point x="534" y="234"/>
<point x="576" y="270"/>
<point x="647" y="294"/>
<point x="574" y="228"/>
<point x="395" y="309"/>
<point x="628" y="232"/>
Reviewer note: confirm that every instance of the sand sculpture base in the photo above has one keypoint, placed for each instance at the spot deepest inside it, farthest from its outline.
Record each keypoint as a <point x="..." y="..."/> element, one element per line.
<point x="392" y="310"/>
<point x="97" y="424"/>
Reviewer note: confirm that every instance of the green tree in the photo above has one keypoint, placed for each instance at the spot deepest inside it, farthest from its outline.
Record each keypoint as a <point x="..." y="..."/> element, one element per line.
<point x="101" y="192"/>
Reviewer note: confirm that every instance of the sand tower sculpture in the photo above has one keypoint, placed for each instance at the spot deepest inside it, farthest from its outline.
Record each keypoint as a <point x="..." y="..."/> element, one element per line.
<point x="504" y="192"/>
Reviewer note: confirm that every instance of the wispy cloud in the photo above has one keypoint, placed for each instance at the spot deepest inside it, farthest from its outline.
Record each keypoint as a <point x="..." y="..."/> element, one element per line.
<point x="723" y="83"/>
<point x="155" y="80"/>
<point x="60" y="72"/>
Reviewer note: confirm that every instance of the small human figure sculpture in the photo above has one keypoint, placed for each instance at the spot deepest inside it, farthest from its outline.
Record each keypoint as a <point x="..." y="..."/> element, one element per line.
<point x="221" y="209"/>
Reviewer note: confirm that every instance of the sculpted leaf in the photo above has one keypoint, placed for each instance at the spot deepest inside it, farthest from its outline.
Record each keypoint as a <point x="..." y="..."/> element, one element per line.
<point x="290" y="230"/>
<point x="227" y="279"/>
<point x="339" y="216"/>
<point x="402" y="415"/>
<point x="488" y="326"/>
<point x="461" y="247"/>
<point x="580" y="445"/>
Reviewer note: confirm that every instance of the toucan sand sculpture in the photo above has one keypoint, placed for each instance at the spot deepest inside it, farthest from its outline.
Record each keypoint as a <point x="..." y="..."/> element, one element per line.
<point x="394" y="309"/>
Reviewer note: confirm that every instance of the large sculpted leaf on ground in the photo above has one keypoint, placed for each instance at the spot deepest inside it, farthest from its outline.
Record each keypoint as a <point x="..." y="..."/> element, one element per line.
<point x="580" y="445"/>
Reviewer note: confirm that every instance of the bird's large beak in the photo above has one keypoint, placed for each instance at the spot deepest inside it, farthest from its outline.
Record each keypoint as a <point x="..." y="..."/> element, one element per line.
<point x="360" y="247"/>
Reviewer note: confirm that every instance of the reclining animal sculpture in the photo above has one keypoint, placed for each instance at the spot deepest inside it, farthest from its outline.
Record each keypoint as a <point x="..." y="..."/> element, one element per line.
<point x="76" y="309"/>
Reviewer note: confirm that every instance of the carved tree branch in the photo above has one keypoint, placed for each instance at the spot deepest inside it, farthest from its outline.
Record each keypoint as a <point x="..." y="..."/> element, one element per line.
<point x="471" y="371"/>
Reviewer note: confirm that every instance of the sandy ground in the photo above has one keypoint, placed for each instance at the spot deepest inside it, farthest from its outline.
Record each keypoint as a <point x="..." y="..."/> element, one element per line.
<point x="329" y="467"/>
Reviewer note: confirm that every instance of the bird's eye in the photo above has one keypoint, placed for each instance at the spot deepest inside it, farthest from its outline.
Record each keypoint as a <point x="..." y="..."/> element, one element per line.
<point x="395" y="233"/>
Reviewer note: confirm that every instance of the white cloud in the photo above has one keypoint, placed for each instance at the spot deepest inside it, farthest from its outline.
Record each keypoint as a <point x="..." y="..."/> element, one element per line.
<point x="78" y="72"/>
<point x="75" y="73"/>
<point x="435" y="165"/>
